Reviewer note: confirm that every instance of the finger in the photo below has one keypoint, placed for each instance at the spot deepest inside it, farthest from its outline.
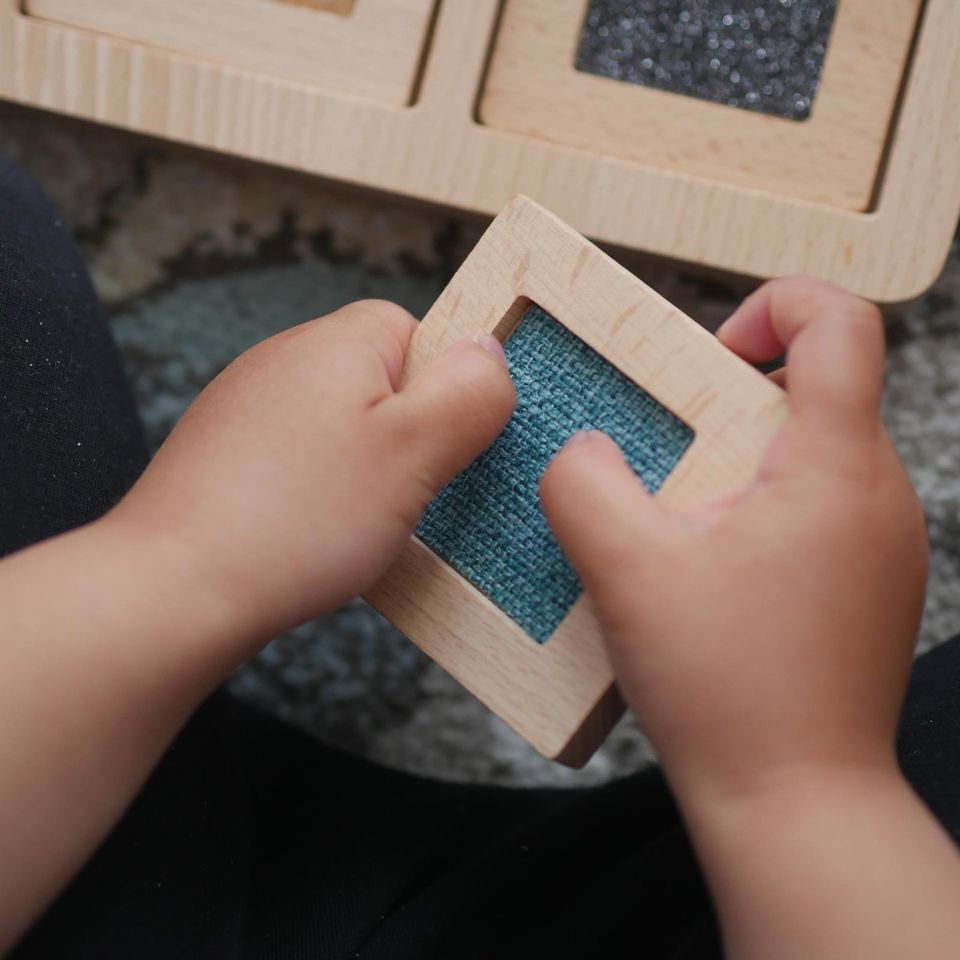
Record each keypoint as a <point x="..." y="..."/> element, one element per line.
<point x="602" y="516"/>
<point x="453" y="409"/>
<point x="762" y="327"/>
<point x="834" y="344"/>
<point x="383" y="325"/>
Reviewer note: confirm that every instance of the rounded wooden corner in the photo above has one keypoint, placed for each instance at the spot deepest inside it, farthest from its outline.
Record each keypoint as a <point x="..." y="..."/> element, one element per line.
<point x="592" y="732"/>
<point x="899" y="294"/>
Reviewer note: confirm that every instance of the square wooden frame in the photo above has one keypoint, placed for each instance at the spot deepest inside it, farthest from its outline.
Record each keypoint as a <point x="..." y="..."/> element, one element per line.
<point x="560" y="695"/>
<point x="366" y="48"/>
<point x="833" y="157"/>
<point x="436" y="150"/>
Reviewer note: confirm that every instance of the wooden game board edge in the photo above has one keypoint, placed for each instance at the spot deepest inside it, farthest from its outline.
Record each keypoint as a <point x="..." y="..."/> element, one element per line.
<point x="558" y="694"/>
<point x="436" y="152"/>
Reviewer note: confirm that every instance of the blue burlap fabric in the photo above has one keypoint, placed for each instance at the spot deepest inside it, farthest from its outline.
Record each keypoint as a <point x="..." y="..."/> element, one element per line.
<point x="487" y="523"/>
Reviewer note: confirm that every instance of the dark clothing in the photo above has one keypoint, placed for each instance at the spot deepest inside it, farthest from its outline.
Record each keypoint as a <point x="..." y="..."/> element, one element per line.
<point x="70" y="440"/>
<point x="252" y="840"/>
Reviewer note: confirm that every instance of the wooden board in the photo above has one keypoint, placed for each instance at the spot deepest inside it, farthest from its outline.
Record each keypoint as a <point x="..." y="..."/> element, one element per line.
<point x="343" y="7"/>
<point x="364" y="48"/>
<point x="559" y="695"/>
<point x="832" y="158"/>
<point x="435" y="149"/>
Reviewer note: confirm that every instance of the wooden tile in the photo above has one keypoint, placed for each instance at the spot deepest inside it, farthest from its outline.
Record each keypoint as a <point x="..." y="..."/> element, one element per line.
<point x="363" y="48"/>
<point x="559" y="695"/>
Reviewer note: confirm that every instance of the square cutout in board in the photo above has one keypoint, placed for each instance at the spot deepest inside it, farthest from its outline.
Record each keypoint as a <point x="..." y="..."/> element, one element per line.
<point x="553" y="76"/>
<point x="363" y="48"/>
<point x="761" y="55"/>
<point x="714" y="414"/>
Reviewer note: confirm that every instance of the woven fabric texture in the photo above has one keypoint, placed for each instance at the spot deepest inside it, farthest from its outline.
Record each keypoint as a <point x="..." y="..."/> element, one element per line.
<point x="487" y="523"/>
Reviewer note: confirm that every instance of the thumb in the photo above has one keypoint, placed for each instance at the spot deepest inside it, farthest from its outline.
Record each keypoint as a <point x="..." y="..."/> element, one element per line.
<point x="454" y="408"/>
<point x="606" y="522"/>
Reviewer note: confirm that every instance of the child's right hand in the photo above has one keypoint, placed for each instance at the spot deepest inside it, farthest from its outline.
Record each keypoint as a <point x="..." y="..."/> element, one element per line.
<point x="774" y="630"/>
<point x="764" y="643"/>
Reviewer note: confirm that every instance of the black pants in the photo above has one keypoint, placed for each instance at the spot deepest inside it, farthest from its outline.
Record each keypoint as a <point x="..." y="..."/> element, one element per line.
<point x="253" y="840"/>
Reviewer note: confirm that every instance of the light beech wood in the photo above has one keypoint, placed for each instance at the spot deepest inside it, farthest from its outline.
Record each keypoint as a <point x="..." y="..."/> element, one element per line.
<point x="437" y="151"/>
<point x="374" y="52"/>
<point x="560" y="695"/>
<point x="833" y="157"/>
<point x="343" y="7"/>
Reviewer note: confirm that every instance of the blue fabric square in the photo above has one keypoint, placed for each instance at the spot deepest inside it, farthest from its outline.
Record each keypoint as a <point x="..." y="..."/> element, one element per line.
<point x="487" y="522"/>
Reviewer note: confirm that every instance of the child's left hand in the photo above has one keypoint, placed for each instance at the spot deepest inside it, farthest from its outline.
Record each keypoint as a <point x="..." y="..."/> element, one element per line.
<point x="287" y="487"/>
<point x="297" y="475"/>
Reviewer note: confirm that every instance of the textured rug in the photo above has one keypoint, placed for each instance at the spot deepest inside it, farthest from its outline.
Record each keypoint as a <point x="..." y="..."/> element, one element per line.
<point x="198" y="257"/>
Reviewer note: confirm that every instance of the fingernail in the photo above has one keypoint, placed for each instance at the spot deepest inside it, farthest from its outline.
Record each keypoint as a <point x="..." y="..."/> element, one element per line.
<point x="486" y="340"/>
<point x="581" y="436"/>
<point x="492" y="345"/>
<point x="598" y="438"/>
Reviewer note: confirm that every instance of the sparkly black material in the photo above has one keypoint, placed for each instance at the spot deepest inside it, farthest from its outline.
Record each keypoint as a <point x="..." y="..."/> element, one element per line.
<point x="763" y="55"/>
<point x="252" y="841"/>
<point x="70" y="439"/>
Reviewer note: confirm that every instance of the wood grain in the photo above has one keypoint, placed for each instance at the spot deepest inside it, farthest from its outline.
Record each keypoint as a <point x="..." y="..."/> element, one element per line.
<point x="832" y="158"/>
<point x="559" y="695"/>
<point x="436" y="151"/>
<point x="375" y="52"/>
<point x="341" y="7"/>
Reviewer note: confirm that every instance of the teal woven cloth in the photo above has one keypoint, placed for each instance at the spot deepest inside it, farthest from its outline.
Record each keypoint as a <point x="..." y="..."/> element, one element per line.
<point x="487" y="522"/>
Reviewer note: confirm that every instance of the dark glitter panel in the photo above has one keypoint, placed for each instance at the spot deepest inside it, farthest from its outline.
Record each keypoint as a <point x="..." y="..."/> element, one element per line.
<point x="764" y="55"/>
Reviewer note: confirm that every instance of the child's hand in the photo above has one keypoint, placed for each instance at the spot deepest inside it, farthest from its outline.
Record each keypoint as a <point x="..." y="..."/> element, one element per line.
<point x="298" y="474"/>
<point x="774" y="630"/>
<point x="764" y="643"/>
<point x="286" y="488"/>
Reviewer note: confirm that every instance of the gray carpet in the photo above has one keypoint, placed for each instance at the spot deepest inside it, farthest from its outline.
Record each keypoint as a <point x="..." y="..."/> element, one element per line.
<point x="199" y="257"/>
